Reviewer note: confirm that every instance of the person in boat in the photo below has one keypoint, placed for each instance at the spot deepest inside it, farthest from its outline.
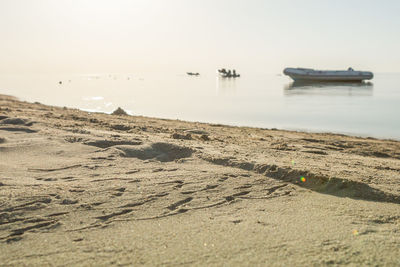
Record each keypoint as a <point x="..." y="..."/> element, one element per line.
<point x="229" y="74"/>
<point x="350" y="69"/>
<point x="234" y="73"/>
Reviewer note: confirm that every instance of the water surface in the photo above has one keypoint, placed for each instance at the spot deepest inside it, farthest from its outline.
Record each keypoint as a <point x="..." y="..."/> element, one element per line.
<point x="269" y="101"/>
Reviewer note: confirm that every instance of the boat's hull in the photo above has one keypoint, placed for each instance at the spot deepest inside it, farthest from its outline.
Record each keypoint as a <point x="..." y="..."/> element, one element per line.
<point x="309" y="75"/>
<point x="299" y="78"/>
<point x="229" y="76"/>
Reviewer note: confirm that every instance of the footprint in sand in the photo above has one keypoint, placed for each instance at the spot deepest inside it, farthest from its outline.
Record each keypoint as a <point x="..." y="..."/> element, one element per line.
<point x="222" y="179"/>
<point x="69" y="201"/>
<point x="46" y="179"/>
<point x="246" y="186"/>
<point x="132" y="171"/>
<point x="21" y="231"/>
<point x="120" y="192"/>
<point x="175" y="205"/>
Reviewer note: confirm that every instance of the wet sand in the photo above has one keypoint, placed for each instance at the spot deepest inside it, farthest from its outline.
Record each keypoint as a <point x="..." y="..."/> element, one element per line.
<point x="80" y="188"/>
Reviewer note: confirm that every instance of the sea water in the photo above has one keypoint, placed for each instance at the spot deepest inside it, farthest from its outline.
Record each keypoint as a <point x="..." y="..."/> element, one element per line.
<point x="262" y="100"/>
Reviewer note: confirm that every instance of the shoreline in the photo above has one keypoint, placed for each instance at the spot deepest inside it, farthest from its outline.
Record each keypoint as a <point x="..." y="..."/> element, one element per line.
<point x="81" y="188"/>
<point x="288" y="129"/>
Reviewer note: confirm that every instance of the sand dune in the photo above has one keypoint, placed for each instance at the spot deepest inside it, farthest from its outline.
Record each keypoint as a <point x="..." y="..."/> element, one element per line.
<point x="80" y="188"/>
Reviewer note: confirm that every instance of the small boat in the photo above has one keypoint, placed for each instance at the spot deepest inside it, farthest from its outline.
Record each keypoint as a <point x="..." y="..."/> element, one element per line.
<point x="311" y="75"/>
<point x="193" y="73"/>
<point x="228" y="74"/>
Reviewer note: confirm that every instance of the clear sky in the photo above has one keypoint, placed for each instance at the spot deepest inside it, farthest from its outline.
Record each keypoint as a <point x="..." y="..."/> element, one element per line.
<point x="91" y="36"/>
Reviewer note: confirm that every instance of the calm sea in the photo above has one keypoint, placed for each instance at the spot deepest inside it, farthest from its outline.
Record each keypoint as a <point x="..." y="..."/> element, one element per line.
<point x="268" y="101"/>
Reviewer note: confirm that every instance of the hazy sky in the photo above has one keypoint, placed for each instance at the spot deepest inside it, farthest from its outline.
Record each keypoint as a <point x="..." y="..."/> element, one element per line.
<point x="90" y="36"/>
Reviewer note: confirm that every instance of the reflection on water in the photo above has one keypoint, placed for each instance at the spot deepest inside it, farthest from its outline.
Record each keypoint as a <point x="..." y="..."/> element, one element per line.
<point x="329" y="88"/>
<point x="225" y="86"/>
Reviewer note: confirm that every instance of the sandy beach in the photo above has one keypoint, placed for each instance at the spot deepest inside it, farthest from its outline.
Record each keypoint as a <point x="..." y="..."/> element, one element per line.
<point x="79" y="188"/>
